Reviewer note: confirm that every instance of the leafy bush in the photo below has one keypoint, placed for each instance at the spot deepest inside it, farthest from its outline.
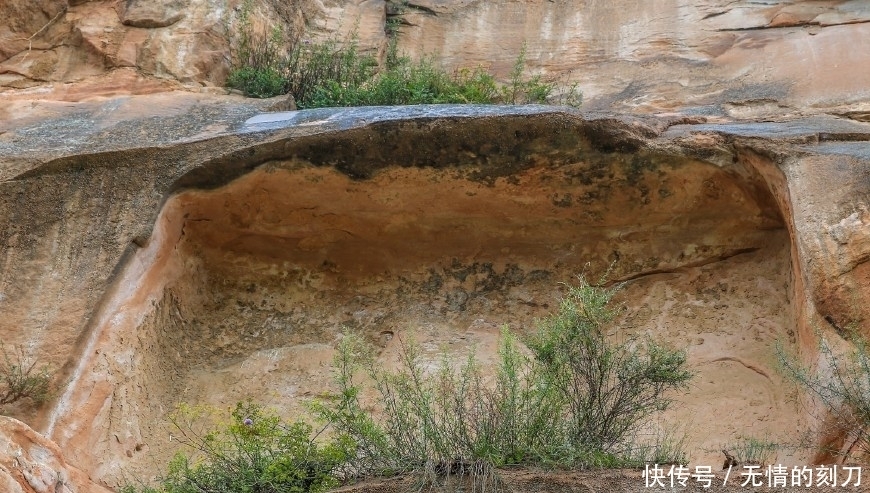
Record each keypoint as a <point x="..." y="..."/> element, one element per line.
<point x="21" y="379"/>
<point x="254" y="453"/>
<point x="841" y="384"/>
<point x="575" y="403"/>
<point x="609" y="388"/>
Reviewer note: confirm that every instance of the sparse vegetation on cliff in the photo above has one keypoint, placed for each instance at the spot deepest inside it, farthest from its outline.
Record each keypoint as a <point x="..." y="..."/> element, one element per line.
<point x="333" y="73"/>
<point x="22" y="378"/>
<point x="577" y="401"/>
<point x="840" y="382"/>
<point x="574" y="398"/>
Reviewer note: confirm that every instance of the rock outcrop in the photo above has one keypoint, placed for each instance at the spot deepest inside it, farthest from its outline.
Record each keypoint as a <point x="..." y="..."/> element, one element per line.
<point x="751" y="58"/>
<point x="166" y="242"/>
<point x="30" y="463"/>
<point x="222" y="260"/>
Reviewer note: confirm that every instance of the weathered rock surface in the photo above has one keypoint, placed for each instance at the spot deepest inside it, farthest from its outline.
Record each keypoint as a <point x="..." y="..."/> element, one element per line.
<point x="186" y="248"/>
<point x="164" y="246"/>
<point x="149" y="14"/>
<point x="30" y="463"/>
<point x="647" y="56"/>
<point x="750" y="59"/>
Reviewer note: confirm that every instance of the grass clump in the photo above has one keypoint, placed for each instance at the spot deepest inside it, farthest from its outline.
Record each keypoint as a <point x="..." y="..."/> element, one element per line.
<point x="330" y="73"/>
<point x="754" y="451"/>
<point x="422" y="82"/>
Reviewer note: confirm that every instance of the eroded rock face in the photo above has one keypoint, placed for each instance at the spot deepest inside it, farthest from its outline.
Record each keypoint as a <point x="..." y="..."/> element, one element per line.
<point x="142" y="13"/>
<point x="169" y="44"/>
<point x="164" y="248"/>
<point x="746" y="59"/>
<point x="30" y="463"/>
<point x="224" y="260"/>
<point x="750" y="56"/>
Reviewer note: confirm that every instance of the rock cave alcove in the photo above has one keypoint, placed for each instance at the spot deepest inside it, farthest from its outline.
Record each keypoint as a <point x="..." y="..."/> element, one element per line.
<point x="446" y="233"/>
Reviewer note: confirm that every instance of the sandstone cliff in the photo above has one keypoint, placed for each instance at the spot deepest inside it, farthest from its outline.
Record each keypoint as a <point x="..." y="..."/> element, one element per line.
<point x="165" y="242"/>
<point x="30" y="463"/>
<point x="752" y="58"/>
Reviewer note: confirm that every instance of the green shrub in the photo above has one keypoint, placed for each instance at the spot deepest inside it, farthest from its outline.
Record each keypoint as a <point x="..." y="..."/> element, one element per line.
<point x="254" y="453"/>
<point x="449" y="422"/>
<point x="257" y="82"/>
<point x="312" y="69"/>
<point x="841" y="384"/>
<point x="21" y="379"/>
<point x="256" y="59"/>
<point x="609" y="387"/>
<point x="330" y="73"/>
<point x="577" y="403"/>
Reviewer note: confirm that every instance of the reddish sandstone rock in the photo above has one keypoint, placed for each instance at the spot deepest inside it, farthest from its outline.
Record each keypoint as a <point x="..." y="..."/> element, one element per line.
<point x="30" y="463"/>
<point x="756" y="58"/>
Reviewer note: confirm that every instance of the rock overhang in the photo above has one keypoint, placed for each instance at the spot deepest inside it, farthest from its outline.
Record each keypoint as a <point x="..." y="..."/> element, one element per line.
<point x="527" y="167"/>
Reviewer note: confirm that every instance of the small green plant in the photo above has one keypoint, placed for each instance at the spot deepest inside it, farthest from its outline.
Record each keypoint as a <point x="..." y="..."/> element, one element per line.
<point x="519" y="90"/>
<point x="753" y="451"/>
<point x="254" y="452"/>
<point x="396" y="9"/>
<point x="660" y="446"/>
<point x="841" y="384"/>
<point x="21" y="379"/>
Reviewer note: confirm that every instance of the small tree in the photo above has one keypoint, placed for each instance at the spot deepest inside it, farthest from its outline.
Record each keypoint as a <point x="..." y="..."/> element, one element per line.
<point x="609" y="386"/>
<point x="21" y="379"/>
